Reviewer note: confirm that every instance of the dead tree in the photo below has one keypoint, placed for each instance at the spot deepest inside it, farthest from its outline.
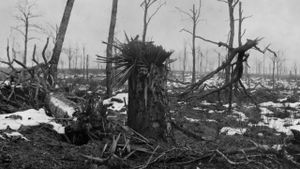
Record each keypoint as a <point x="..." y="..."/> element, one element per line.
<point x="184" y="62"/>
<point x="76" y="57"/>
<point x="87" y="67"/>
<point x="83" y="61"/>
<point x="241" y="54"/>
<point x="144" y="66"/>
<point x="295" y="71"/>
<point x="273" y="59"/>
<point x="60" y="40"/>
<point x="279" y="64"/>
<point x="146" y="5"/>
<point x="25" y="16"/>
<point x="231" y="7"/>
<point x="70" y="56"/>
<point x="109" y="53"/>
<point x="194" y="15"/>
<point x="200" y="59"/>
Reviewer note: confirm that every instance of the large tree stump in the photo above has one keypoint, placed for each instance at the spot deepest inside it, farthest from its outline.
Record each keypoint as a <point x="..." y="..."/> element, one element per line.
<point x="144" y="65"/>
<point x="148" y="102"/>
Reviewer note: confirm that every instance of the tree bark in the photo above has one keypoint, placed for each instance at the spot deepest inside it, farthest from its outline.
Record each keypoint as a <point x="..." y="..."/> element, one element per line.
<point x="230" y="44"/>
<point x="60" y="40"/>
<point x="110" y="47"/>
<point x="148" y="103"/>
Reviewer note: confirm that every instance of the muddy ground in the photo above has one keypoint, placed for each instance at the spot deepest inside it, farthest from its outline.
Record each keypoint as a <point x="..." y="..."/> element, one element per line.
<point x="49" y="150"/>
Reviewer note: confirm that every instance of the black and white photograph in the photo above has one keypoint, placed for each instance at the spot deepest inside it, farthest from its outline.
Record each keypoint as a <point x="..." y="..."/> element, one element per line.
<point x="149" y="84"/>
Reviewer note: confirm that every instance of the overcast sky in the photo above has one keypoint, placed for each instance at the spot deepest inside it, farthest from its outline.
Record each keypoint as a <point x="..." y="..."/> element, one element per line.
<point x="275" y="20"/>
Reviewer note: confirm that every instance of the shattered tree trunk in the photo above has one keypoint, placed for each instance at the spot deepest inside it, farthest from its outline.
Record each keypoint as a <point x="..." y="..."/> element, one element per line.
<point x="148" y="103"/>
<point x="231" y="39"/>
<point x="273" y="74"/>
<point x="60" y="39"/>
<point x="184" y="63"/>
<point x="110" y="47"/>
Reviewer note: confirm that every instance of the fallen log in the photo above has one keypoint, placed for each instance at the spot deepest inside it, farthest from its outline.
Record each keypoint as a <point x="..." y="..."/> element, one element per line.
<point x="60" y="106"/>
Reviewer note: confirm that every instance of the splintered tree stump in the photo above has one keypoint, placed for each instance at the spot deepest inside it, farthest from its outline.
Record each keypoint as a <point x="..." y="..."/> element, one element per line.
<point x="148" y="103"/>
<point x="144" y="65"/>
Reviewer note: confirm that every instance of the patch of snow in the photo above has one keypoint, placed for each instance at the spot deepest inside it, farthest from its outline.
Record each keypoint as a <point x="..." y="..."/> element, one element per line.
<point x="63" y="106"/>
<point x="57" y="127"/>
<point x="233" y="131"/>
<point x="211" y="111"/>
<point x="260" y="134"/>
<point x="294" y="105"/>
<point x="6" y="83"/>
<point x="274" y="123"/>
<point x="265" y="111"/>
<point x="123" y="112"/>
<point x="211" y="120"/>
<point x="176" y="85"/>
<point x="191" y="119"/>
<point x="197" y="108"/>
<point x="280" y="125"/>
<point x="16" y="134"/>
<point x="232" y="105"/>
<point x="206" y="103"/>
<point x="270" y="104"/>
<point x="220" y="111"/>
<point x="183" y="102"/>
<point x="277" y="147"/>
<point x="2" y="137"/>
<point x="295" y="127"/>
<point x="29" y="117"/>
<point x="282" y="100"/>
<point x="116" y="106"/>
<point x="241" y="116"/>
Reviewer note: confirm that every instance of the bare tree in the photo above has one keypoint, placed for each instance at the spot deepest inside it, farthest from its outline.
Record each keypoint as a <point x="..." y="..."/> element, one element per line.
<point x="25" y="16"/>
<point x="194" y="15"/>
<point x="199" y="58"/>
<point x="87" y="67"/>
<point x="70" y="56"/>
<point x="231" y="6"/>
<point x="146" y="5"/>
<point x="60" y="39"/>
<point x="76" y="57"/>
<point x="279" y="64"/>
<point x="295" y="71"/>
<point x="184" y="62"/>
<point x="83" y="61"/>
<point x="109" y="52"/>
